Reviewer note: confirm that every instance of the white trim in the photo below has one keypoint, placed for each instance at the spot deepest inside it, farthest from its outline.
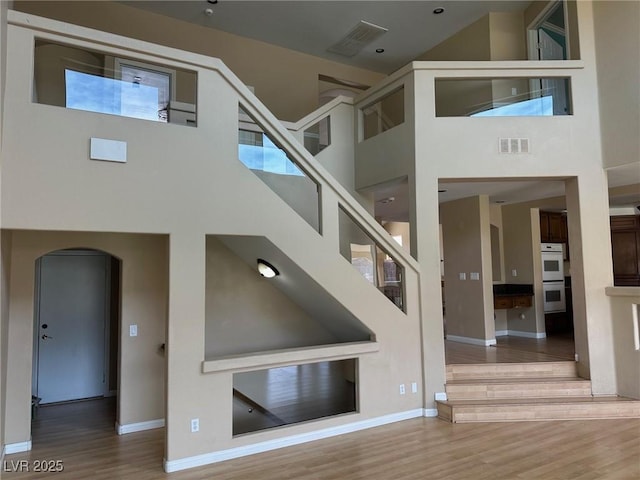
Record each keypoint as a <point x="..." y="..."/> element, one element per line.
<point x="472" y="341"/>
<point x="222" y="455"/>
<point x="139" y="427"/>
<point x="430" y="412"/>
<point x="10" y="448"/>
<point x="622" y="291"/>
<point x="288" y="356"/>
<point x="516" y="333"/>
<point x="2" y="454"/>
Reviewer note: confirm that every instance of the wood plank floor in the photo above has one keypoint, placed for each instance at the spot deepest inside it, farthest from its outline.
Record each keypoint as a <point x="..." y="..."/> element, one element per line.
<point x="81" y="435"/>
<point x="512" y="350"/>
<point x="294" y="394"/>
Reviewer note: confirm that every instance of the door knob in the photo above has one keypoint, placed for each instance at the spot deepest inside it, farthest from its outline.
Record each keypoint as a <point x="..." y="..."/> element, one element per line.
<point x="45" y="336"/>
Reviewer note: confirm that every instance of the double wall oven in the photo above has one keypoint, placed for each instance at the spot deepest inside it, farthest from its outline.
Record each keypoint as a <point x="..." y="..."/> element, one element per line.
<point x="553" y="277"/>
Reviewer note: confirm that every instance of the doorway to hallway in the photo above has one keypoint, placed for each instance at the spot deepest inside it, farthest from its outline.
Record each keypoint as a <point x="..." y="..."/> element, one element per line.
<point x="76" y="327"/>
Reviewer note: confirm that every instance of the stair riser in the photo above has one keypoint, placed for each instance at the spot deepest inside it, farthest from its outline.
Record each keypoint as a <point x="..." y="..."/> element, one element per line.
<point x="476" y="392"/>
<point x="522" y="413"/>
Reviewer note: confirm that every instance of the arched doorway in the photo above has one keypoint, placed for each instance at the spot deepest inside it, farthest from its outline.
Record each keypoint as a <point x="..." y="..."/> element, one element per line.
<point x="76" y="322"/>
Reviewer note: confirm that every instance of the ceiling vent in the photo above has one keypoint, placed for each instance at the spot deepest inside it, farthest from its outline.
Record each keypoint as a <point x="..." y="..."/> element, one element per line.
<point x="359" y="37"/>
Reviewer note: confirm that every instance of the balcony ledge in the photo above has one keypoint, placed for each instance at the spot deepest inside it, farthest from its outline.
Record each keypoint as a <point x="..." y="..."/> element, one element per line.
<point x="288" y="356"/>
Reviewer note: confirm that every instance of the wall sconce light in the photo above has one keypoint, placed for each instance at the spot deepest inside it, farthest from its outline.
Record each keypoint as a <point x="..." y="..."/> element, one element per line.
<point x="266" y="269"/>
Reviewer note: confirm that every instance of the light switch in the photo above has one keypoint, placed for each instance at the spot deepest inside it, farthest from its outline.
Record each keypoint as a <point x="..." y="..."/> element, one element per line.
<point x="133" y="330"/>
<point x="463" y="276"/>
<point x="514" y="273"/>
<point x="474" y="276"/>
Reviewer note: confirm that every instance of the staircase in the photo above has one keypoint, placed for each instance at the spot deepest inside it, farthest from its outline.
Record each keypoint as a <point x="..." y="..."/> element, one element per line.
<point x="515" y="392"/>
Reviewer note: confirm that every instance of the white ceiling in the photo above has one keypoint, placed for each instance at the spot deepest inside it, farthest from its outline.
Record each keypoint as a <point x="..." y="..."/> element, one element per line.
<point x="311" y="26"/>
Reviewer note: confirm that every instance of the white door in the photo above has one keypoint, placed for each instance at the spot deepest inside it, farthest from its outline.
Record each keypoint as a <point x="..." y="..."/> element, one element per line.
<point x="72" y="302"/>
<point x="550" y="49"/>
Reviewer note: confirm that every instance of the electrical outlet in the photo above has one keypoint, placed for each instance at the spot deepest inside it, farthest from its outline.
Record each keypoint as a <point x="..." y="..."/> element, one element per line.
<point x="441" y="396"/>
<point x="133" y="330"/>
<point x="414" y="387"/>
<point x="514" y="91"/>
<point x="402" y="389"/>
<point x="514" y="273"/>
<point x="577" y="357"/>
<point x="195" y="425"/>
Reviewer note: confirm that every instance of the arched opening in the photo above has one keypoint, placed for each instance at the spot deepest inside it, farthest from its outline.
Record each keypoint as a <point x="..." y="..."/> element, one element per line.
<point x="76" y="338"/>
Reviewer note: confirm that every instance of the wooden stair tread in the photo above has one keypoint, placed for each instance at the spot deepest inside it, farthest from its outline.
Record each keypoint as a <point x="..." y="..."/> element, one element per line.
<point x="475" y="371"/>
<point x="516" y="380"/>
<point x="537" y="401"/>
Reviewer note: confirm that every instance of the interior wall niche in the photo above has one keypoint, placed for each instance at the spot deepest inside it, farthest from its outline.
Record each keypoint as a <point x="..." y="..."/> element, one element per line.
<point x="286" y="395"/>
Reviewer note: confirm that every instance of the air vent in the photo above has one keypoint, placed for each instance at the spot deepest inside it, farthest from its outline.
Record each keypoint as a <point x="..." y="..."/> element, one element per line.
<point x="359" y="37"/>
<point x="514" y="145"/>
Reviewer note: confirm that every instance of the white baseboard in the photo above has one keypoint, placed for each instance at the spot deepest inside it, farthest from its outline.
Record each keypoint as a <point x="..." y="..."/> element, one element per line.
<point x="502" y="333"/>
<point x="440" y="396"/>
<point x="516" y="333"/>
<point x="472" y="341"/>
<point x="430" y="412"/>
<point x="10" y="448"/>
<point x="222" y="455"/>
<point x="139" y="427"/>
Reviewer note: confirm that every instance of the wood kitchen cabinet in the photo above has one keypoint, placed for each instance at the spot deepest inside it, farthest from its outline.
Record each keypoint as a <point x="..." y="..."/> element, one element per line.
<point x="553" y="227"/>
<point x="625" y="250"/>
<point x="501" y="302"/>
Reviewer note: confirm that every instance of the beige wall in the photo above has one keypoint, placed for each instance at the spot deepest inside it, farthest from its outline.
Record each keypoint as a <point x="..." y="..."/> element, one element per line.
<point x="284" y="80"/>
<point x="497" y="243"/>
<point x="217" y="195"/>
<point x="623" y="302"/>
<point x="467" y="249"/>
<point x="143" y="302"/>
<point x="496" y="36"/>
<point x="187" y="183"/>
<point x="246" y="313"/>
<point x="497" y="261"/>
<point x="4" y="266"/>
<point x="521" y="225"/>
<point x="617" y="24"/>
<point x="471" y="43"/>
<point x="507" y="39"/>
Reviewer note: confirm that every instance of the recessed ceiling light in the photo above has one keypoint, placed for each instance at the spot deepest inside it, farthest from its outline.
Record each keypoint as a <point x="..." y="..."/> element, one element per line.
<point x="441" y="191"/>
<point x="438" y="11"/>
<point x="379" y="50"/>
